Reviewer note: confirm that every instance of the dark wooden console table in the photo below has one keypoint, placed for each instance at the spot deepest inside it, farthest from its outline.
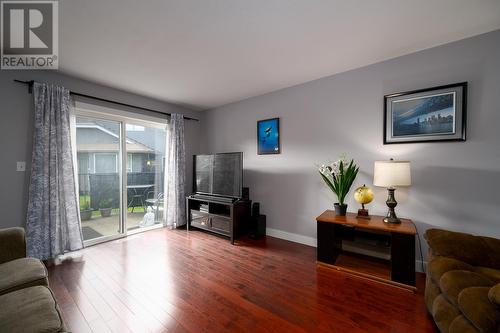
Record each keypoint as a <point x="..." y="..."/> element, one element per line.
<point x="368" y="248"/>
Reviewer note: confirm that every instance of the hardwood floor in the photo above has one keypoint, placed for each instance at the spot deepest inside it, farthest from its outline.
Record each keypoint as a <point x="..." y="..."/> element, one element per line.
<point x="175" y="281"/>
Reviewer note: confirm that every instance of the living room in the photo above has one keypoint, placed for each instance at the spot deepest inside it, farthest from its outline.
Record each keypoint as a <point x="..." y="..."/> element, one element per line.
<point x="237" y="166"/>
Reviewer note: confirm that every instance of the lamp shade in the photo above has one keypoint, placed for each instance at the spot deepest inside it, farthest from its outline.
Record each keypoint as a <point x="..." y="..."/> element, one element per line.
<point x="391" y="173"/>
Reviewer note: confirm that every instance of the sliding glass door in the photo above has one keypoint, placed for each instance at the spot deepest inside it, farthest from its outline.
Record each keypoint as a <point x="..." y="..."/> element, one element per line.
<point x="98" y="152"/>
<point x="120" y="167"/>
<point x="145" y="171"/>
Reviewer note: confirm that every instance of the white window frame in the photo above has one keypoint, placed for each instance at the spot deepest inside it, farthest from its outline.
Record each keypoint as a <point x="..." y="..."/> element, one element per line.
<point x="126" y="117"/>
<point x="134" y="128"/>
<point x="85" y="109"/>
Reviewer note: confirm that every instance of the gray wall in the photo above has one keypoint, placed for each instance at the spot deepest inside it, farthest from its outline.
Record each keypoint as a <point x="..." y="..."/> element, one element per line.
<point x="455" y="185"/>
<point x="16" y="130"/>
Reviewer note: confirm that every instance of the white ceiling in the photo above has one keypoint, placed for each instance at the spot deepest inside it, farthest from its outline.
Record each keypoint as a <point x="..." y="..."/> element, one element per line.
<point x="207" y="53"/>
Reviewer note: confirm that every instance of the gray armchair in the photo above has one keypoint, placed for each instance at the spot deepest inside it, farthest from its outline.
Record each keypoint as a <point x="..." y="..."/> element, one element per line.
<point x="12" y="244"/>
<point x="17" y="271"/>
<point x="26" y="302"/>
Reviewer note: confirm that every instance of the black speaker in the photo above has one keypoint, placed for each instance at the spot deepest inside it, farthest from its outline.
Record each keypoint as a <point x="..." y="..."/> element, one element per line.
<point x="261" y="225"/>
<point x="245" y="193"/>
<point x="255" y="209"/>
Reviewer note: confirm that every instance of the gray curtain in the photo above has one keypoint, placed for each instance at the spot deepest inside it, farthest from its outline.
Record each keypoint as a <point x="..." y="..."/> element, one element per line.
<point x="175" y="199"/>
<point x="53" y="221"/>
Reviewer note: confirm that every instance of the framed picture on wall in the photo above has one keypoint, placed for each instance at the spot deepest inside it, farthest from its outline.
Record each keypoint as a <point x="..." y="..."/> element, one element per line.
<point x="268" y="136"/>
<point x="426" y="115"/>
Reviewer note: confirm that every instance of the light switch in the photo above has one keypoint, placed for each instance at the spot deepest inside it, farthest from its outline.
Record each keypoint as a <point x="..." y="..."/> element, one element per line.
<point x="21" y="166"/>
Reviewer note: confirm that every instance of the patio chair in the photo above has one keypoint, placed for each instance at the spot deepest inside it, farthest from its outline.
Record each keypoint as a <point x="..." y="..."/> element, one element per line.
<point x="155" y="202"/>
<point x="135" y="199"/>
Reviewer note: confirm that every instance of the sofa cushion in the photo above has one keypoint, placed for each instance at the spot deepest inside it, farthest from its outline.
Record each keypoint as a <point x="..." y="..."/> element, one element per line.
<point x="32" y="310"/>
<point x="440" y="265"/>
<point x="494" y="251"/>
<point x="461" y="325"/>
<point x="474" y="304"/>
<point x="490" y="273"/>
<point x="494" y="294"/>
<point x="22" y="273"/>
<point x="474" y="250"/>
<point x="444" y="313"/>
<point x="12" y="244"/>
<point x="453" y="282"/>
<point x="431" y="292"/>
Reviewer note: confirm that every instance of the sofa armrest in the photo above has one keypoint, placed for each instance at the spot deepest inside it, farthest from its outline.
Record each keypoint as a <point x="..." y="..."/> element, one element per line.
<point x="464" y="247"/>
<point x="12" y="244"/>
<point x="494" y="294"/>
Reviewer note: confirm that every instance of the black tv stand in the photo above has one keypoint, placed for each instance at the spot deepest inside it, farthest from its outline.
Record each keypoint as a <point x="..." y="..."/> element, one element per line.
<point x="224" y="216"/>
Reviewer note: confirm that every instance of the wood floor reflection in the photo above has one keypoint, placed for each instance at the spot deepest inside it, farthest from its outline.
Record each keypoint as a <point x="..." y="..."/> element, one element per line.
<point x="179" y="281"/>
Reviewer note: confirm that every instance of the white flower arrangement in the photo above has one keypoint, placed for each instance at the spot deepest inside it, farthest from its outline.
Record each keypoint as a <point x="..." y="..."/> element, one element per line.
<point x="339" y="176"/>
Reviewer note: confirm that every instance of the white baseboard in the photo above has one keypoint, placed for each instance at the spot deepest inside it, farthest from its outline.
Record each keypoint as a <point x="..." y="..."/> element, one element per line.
<point x="313" y="242"/>
<point x="291" y="237"/>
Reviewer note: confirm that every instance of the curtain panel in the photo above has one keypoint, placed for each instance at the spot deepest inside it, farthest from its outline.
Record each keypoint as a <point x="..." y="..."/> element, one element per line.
<point x="175" y="199"/>
<point x="53" y="219"/>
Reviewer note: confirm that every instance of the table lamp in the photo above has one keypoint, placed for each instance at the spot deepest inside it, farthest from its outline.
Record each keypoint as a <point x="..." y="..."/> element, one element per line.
<point x="391" y="174"/>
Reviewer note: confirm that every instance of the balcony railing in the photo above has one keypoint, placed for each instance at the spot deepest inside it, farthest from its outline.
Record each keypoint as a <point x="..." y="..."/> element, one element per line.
<point x="106" y="186"/>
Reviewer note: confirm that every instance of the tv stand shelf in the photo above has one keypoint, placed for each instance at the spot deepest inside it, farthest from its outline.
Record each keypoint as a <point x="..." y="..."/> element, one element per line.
<point x="226" y="218"/>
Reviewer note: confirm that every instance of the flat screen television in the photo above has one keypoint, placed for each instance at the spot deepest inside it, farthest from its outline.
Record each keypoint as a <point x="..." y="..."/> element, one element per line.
<point x="218" y="174"/>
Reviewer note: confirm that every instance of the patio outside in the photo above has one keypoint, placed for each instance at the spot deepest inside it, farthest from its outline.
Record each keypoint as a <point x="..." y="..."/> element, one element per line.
<point x="99" y="226"/>
<point x="100" y="170"/>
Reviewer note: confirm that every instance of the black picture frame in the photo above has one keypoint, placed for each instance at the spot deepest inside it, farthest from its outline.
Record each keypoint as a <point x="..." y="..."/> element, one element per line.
<point x="459" y="118"/>
<point x="276" y="149"/>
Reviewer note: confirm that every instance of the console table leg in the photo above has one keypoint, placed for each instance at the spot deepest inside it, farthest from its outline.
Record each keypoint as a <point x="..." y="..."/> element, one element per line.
<point x="403" y="258"/>
<point x="329" y="242"/>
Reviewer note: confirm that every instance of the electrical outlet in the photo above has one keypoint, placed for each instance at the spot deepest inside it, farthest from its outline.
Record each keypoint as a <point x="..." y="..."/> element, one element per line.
<point x="21" y="166"/>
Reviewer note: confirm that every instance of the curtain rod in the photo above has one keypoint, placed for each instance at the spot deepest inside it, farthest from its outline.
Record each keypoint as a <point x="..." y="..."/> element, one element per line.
<point x="30" y="87"/>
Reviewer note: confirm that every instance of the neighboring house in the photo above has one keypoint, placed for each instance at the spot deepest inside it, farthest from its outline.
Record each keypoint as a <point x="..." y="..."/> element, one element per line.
<point x="98" y="150"/>
<point x="97" y="145"/>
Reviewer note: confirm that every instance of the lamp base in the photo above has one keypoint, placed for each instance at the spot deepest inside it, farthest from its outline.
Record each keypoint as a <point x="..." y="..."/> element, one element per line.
<point x="393" y="220"/>
<point x="391" y="203"/>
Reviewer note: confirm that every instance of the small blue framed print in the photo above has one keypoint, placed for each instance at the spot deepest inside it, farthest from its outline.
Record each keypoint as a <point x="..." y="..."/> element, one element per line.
<point x="268" y="136"/>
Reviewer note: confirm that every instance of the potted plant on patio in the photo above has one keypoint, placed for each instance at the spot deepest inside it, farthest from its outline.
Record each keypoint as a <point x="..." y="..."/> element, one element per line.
<point x="85" y="211"/>
<point x="105" y="207"/>
<point x="339" y="176"/>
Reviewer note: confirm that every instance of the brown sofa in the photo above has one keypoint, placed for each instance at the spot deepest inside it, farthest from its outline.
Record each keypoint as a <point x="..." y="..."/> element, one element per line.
<point x="462" y="289"/>
<point x="26" y="302"/>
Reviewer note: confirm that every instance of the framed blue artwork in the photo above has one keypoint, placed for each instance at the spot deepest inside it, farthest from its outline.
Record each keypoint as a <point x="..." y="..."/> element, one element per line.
<point x="426" y="115"/>
<point x="268" y="136"/>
